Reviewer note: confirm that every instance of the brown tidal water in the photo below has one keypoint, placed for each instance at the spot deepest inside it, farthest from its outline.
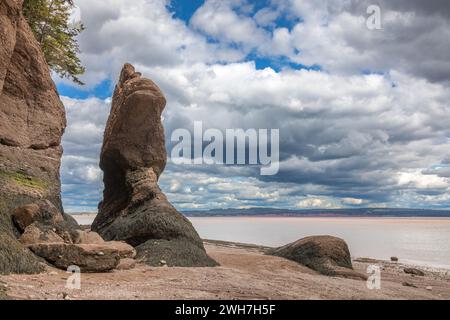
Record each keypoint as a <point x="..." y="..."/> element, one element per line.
<point x="419" y="241"/>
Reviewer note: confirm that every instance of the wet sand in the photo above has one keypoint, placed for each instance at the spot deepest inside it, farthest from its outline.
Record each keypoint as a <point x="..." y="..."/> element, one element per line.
<point x="245" y="273"/>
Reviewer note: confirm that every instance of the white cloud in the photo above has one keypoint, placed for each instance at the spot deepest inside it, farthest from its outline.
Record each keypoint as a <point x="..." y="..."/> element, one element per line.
<point x="315" y="203"/>
<point x="352" y="201"/>
<point x="334" y="35"/>
<point x="416" y="179"/>
<point x="346" y="138"/>
<point x="218" y="19"/>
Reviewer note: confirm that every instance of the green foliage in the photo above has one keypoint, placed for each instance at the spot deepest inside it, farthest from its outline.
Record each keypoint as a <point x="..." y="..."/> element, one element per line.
<point x="50" y="21"/>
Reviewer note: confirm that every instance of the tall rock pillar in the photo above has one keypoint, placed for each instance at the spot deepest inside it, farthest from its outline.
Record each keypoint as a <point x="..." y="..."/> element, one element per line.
<point x="133" y="157"/>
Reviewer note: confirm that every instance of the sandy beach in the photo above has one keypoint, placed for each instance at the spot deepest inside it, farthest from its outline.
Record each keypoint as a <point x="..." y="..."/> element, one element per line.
<point x="245" y="273"/>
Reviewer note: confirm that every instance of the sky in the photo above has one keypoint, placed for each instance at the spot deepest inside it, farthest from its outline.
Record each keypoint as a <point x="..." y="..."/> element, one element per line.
<point x="363" y="113"/>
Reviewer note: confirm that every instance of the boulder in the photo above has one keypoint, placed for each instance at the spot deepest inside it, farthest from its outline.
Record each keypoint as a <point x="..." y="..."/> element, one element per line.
<point x="43" y="215"/>
<point x="88" y="257"/>
<point x="327" y="255"/>
<point x="35" y="234"/>
<point x="133" y="156"/>
<point x="32" y="121"/>
<point x="43" y="211"/>
<point x="87" y="236"/>
<point x="63" y="247"/>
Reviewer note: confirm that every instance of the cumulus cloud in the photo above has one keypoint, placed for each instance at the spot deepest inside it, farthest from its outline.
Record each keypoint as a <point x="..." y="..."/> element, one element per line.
<point x="367" y="128"/>
<point x="311" y="203"/>
<point x="80" y="173"/>
<point x="142" y="32"/>
<point x="334" y="34"/>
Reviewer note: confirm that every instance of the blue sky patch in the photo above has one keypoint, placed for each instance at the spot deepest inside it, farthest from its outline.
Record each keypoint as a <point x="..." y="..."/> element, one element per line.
<point x="102" y="91"/>
<point x="183" y="9"/>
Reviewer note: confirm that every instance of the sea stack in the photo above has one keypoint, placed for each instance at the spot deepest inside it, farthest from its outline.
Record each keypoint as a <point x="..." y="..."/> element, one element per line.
<point x="32" y="121"/>
<point x="133" y="156"/>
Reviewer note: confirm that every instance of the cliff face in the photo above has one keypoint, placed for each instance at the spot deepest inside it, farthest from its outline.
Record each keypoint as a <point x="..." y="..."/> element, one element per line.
<point x="133" y="157"/>
<point x="32" y="121"/>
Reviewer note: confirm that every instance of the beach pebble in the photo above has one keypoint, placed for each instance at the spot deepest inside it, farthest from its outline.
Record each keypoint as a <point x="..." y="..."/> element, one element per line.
<point x="394" y="259"/>
<point x="429" y="288"/>
<point x="65" y="296"/>
<point x="409" y="284"/>
<point x="414" y="271"/>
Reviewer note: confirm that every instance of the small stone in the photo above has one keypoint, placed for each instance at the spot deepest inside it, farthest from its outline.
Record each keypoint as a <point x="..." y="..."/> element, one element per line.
<point x="53" y="273"/>
<point x="126" y="264"/>
<point x="429" y="288"/>
<point x="409" y="284"/>
<point x="101" y="253"/>
<point x="394" y="259"/>
<point x="414" y="271"/>
<point x="163" y="262"/>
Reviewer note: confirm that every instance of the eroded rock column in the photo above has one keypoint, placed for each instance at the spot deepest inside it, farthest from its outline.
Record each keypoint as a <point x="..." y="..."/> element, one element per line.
<point x="133" y="157"/>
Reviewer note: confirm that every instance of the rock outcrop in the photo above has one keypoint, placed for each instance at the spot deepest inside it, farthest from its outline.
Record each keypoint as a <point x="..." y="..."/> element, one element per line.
<point x="327" y="255"/>
<point x="48" y="235"/>
<point x="89" y="257"/>
<point x="32" y="121"/>
<point x="133" y="157"/>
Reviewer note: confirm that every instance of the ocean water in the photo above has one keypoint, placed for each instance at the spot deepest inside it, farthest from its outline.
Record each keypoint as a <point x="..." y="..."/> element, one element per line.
<point x="420" y="241"/>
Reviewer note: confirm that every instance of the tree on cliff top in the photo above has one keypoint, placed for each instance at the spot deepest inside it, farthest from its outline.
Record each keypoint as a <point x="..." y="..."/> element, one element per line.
<point x="51" y="23"/>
